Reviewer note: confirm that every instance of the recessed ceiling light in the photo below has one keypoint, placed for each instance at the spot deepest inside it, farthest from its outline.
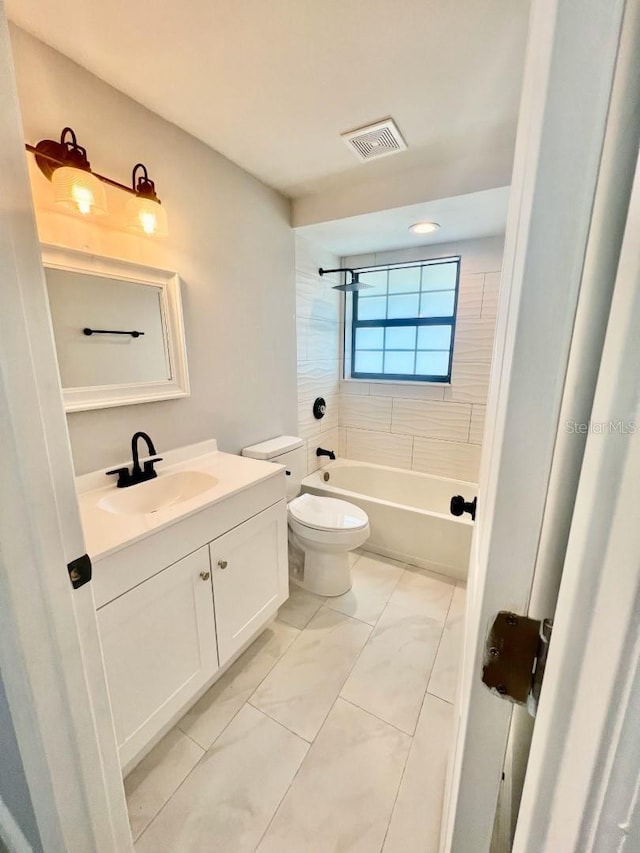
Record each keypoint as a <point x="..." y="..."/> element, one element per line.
<point x="424" y="227"/>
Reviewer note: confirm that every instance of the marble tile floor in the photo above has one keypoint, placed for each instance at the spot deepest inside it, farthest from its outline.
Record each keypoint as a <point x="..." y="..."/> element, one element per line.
<point x="330" y="733"/>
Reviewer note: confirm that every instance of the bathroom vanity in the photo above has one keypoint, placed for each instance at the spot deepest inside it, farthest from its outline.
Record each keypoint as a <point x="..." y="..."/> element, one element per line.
<point x="188" y="568"/>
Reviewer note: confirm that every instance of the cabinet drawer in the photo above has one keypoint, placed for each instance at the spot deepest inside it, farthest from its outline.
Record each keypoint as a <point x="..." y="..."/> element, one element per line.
<point x="159" y="646"/>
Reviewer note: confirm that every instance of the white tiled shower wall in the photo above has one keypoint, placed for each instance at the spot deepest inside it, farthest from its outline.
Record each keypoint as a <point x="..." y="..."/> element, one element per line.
<point x="318" y="323"/>
<point x="432" y="428"/>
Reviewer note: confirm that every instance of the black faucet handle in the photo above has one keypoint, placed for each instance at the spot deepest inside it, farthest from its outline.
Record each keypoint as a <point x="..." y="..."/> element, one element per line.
<point x="124" y="477"/>
<point x="148" y="468"/>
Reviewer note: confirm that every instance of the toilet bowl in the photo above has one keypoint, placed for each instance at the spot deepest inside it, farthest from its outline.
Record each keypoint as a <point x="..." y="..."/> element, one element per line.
<point x="324" y="529"/>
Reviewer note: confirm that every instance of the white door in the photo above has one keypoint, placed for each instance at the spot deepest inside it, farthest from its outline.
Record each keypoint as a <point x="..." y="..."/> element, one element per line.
<point x="545" y="362"/>
<point x="249" y="566"/>
<point x="50" y="657"/>
<point x="159" y="646"/>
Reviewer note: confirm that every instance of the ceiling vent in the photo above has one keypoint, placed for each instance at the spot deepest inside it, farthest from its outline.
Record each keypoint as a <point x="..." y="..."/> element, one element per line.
<point x="375" y="140"/>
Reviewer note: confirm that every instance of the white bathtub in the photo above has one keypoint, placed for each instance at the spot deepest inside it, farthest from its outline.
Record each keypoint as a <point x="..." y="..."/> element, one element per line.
<point x="408" y="512"/>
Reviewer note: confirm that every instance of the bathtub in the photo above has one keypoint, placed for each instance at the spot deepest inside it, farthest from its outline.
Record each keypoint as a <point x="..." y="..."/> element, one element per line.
<point x="408" y="512"/>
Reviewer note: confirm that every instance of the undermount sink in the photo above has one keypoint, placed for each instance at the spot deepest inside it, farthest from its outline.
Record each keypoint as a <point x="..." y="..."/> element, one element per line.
<point x="161" y="493"/>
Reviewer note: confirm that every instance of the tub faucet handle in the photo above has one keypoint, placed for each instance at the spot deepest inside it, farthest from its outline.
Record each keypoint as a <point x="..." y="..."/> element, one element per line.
<point x="459" y="506"/>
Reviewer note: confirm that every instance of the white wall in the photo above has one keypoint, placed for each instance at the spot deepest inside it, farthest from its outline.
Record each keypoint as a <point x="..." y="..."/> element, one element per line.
<point x="318" y="320"/>
<point x="229" y="239"/>
<point x="428" y="427"/>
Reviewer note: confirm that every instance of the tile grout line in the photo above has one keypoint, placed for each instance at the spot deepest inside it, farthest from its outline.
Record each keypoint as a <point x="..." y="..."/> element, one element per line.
<point x="206" y="750"/>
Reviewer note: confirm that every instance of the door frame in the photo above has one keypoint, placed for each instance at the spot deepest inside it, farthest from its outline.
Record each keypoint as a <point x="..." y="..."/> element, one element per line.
<point x="570" y="69"/>
<point x="50" y="655"/>
<point x="581" y="788"/>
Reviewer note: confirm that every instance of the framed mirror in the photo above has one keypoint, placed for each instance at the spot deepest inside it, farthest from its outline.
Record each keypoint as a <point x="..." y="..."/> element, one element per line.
<point x="118" y="330"/>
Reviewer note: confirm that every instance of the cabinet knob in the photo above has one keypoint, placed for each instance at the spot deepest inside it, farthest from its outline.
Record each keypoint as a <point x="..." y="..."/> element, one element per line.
<point x="222" y="564"/>
<point x="205" y="575"/>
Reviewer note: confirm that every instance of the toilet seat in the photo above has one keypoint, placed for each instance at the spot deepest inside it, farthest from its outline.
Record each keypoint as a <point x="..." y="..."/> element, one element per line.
<point x="330" y="514"/>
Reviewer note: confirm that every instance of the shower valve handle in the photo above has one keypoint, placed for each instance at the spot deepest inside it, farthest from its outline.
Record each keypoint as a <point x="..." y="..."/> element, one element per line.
<point x="459" y="506"/>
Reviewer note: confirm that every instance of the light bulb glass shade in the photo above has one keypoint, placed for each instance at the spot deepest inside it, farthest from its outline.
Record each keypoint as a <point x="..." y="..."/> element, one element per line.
<point x="147" y="216"/>
<point x="79" y="190"/>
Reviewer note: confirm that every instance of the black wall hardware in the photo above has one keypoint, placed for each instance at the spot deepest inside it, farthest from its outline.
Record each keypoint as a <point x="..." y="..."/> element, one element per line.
<point x="515" y="657"/>
<point x="459" y="506"/>
<point x="137" y="474"/>
<point x="88" y="331"/>
<point x="80" y="571"/>
<point x="347" y="287"/>
<point x="320" y="451"/>
<point x="319" y="408"/>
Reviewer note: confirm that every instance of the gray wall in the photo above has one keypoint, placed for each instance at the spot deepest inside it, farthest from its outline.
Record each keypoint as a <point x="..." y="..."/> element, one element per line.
<point x="230" y="240"/>
<point x="14" y="791"/>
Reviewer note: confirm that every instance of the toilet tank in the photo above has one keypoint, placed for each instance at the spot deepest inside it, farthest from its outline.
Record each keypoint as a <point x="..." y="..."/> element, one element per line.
<point x="287" y="450"/>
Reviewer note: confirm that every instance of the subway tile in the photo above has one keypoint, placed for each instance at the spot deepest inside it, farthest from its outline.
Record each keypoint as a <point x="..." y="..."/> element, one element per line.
<point x="308" y="426"/>
<point x="469" y="382"/>
<point x="329" y="441"/>
<point x="490" y="294"/>
<point x="474" y="340"/>
<point x="322" y="340"/>
<point x="413" y="391"/>
<point x="342" y="442"/>
<point x="446" y="459"/>
<point x="366" y="412"/>
<point x="315" y="297"/>
<point x="317" y="379"/>
<point x="354" y="386"/>
<point x="431" y="419"/>
<point x="470" y="295"/>
<point x="302" y="334"/>
<point x="382" y="448"/>
<point x="476" y="429"/>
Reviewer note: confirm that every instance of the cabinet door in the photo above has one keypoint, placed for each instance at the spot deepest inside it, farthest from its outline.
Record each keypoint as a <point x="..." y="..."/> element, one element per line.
<point x="250" y="577"/>
<point x="159" y="646"/>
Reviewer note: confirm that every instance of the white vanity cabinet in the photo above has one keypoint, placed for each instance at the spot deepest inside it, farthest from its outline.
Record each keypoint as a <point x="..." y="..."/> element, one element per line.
<point x="159" y="647"/>
<point x="249" y="566"/>
<point x="169" y="623"/>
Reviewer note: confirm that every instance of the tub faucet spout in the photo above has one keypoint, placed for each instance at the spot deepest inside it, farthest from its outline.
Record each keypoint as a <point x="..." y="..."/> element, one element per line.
<point x="320" y="451"/>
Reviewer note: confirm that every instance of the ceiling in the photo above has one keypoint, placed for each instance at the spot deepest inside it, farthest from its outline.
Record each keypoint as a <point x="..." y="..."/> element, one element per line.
<point x="481" y="214"/>
<point x="271" y="85"/>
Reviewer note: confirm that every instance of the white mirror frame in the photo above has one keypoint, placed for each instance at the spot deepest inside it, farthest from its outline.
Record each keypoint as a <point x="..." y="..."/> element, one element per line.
<point x="105" y="396"/>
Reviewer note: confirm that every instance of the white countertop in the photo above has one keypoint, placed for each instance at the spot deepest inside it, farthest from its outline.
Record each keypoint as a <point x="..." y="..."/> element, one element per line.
<point x="106" y="531"/>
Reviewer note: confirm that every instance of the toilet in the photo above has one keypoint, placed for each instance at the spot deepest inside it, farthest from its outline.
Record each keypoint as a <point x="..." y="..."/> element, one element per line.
<point x="324" y="529"/>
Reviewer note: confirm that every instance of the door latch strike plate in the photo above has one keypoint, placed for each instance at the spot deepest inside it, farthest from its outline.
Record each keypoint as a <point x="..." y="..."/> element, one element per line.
<point x="80" y="571"/>
<point x="514" y="659"/>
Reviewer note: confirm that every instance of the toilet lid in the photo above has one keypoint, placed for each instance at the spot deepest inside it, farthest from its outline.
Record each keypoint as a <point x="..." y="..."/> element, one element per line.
<point x="327" y="513"/>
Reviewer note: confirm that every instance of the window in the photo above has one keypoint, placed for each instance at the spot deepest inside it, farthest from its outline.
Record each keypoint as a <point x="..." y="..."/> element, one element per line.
<point x="402" y="328"/>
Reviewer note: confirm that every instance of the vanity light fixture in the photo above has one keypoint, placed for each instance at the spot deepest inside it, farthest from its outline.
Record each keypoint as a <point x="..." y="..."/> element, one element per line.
<point x="424" y="227"/>
<point x="65" y="164"/>
<point x="144" y="211"/>
<point x="347" y="287"/>
<point x="77" y="186"/>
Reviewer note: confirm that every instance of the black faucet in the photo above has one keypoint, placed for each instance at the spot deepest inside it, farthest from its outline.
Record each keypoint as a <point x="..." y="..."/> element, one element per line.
<point x="137" y="474"/>
<point x="321" y="452"/>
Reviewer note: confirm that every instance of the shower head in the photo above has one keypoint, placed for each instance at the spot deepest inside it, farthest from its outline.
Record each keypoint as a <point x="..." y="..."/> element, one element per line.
<point x="347" y="287"/>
